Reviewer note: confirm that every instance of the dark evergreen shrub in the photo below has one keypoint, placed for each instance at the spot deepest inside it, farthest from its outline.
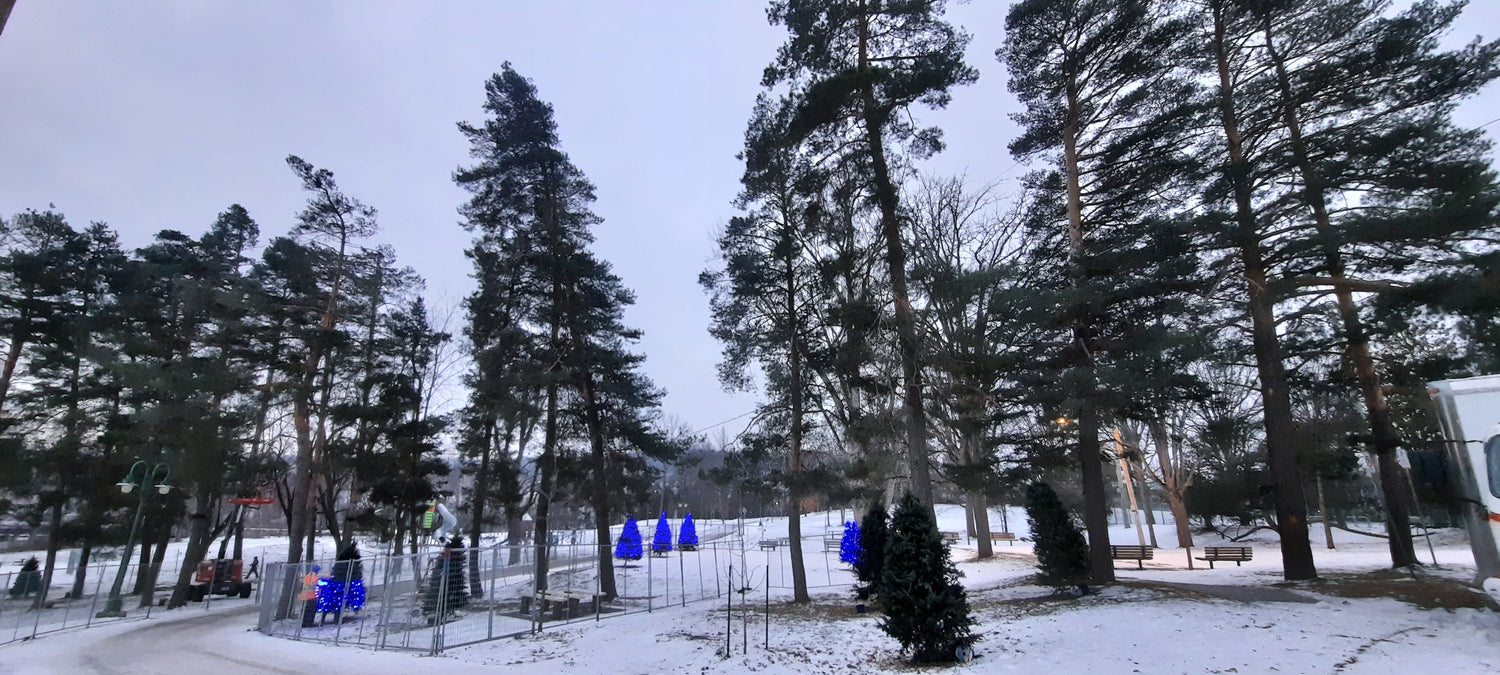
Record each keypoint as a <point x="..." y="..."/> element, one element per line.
<point x="872" y="536"/>
<point x="926" y="609"/>
<point x="1061" y="552"/>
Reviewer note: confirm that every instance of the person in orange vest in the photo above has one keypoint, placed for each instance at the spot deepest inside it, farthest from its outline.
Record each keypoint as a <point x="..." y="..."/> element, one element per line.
<point x="310" y="597"/>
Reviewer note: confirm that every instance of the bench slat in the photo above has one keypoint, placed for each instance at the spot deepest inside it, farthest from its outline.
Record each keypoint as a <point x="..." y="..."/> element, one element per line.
<point x="1136" y="553"/>
<point x="1235" y="554"/>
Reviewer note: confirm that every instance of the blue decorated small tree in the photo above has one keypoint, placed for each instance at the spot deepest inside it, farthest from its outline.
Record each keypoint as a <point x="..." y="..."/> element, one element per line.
<point x="629" y="546"/>
<point x="849" y="550"/>
<point x="662" y="542"/>
<point x="687" y="536"/>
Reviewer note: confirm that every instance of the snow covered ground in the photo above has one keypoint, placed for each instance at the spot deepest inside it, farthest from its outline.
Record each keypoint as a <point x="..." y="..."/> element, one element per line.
<point x="1164" y="619"/>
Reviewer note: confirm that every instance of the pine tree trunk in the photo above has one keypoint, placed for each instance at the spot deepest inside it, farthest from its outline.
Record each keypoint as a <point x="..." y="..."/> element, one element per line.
<point x="888" y="198"/>
<point x="158" y="554"/>
<point x="981" y="508"/>
<point x="298" y="529"/>
<point x="480" y="495"/>
<point x="199" y="539"/>
<point x="1286" y="475"/>
<point x="547" y="467"/>
<point x="794" y="456"/>
<point x="1095" y="510"/>
<point x="1384" y="438"/>
<point x="599" y="492"/>
<point x="515" y="530"/>
<point x="143" y="558"/>
<point x="54" y="524"/>
<point x="18" y="339"/>
<point x="301" y="420"/>
<point x="1095" y="502"/>
<point x="81" y="575"/>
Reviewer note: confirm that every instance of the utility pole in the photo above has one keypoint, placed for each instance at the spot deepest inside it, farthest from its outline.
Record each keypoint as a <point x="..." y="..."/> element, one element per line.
<point x="1140" y="533"/>
<point x="1146" y="500"/>
<point x="1323" y="509"/>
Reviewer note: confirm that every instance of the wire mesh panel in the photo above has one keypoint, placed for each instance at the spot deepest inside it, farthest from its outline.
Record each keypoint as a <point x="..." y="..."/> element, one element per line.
<point x="448" y="597"/>
<point x="67" y="604"/>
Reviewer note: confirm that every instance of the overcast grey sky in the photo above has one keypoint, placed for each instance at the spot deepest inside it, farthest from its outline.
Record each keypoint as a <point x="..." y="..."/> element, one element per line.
<point x="151" y="115"/>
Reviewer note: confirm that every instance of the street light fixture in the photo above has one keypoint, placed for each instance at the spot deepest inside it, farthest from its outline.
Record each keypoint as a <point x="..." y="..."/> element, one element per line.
<point x="150" y="476"/>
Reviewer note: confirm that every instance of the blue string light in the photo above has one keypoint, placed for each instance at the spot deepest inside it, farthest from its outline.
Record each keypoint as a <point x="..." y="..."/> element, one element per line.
<point x="629" y="546"/>
<point x="849" y="550"/>
<point x="662" y="542"/>
<point x="687" y="537"/>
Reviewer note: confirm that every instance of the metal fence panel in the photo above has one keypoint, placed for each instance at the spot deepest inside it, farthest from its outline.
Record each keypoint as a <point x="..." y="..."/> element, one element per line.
<point x="22" y="619"/>
<point x="443" y="598"/>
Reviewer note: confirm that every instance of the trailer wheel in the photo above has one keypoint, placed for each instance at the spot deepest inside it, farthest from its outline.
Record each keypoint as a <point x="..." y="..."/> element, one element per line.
<point x="245" y="589"/>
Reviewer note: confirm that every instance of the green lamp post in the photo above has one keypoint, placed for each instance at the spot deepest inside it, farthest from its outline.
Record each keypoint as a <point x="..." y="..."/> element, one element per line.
<point x="150" y="477"/>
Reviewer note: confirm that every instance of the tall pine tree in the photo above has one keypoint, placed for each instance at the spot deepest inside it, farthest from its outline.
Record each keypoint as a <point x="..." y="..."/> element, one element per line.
<point x="854" y="70"/>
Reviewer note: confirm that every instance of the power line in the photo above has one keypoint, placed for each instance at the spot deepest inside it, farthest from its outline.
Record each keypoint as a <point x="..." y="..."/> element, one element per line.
<point x="720" y="424"/>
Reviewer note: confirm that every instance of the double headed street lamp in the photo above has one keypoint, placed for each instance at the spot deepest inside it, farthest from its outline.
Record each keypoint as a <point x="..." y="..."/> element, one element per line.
<point x="150" y="477"/>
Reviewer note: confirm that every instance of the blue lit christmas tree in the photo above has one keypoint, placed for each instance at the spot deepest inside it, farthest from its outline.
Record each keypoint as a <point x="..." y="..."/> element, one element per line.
<point x="662" y="542"/>
<point x="849" y="550"/>
<point x="687" y="537"/>
<point x="629" y="546"/>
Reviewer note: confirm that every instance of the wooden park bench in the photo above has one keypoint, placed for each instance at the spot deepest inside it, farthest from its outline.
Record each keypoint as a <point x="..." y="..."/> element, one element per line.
<point x="562" y="604"/>
<point x="771" y="544"/>
<point x="833" y="542"/>
<point x="951" y="537"/>
<point x="1136" y="553"/>
<point x="1003" y="536"/>
<point x="1238" y="554"/>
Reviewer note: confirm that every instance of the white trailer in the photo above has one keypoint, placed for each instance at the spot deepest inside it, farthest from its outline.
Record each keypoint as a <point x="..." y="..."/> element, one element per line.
<point x="1469" y="412"/>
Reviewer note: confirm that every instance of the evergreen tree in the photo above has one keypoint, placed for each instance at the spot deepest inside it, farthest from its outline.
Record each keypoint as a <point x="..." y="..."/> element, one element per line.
<point x="855" y="69"/>
<point x="70" y="384"/>
<point x="760" y="297"/>
<point x="1236" y="202"/>
<point x="188" y="357"/>
<point x="34" y="243"/>
<point x="457" y="588"/>
<point x="872" y="541"/>
<point x="1373" y="119"/>
<point x="1104" y="109"/>
<point x="662" y="541"/>
<point x="687" y="535"/>
<point x="28" y="579"/>
<point x="1061" y="552"/>
<point x="849" y="551"/>
<point x="926" y="608"/>
<point x="629" y="545"/>
<point x="332" y="224"/>
<point x="531" y="210"/>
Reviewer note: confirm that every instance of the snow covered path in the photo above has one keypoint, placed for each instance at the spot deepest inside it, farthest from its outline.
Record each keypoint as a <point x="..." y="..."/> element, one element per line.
<point x="219" y="642"/>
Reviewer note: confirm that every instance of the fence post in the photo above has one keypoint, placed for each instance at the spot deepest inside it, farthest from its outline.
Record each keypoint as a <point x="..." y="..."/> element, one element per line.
<point x="440" y="616"/>
<point x="494" y="572"/>
<point x="5" y="585"/>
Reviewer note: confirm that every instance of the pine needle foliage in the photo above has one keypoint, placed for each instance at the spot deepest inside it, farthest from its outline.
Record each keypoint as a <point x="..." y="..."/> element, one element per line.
<point x="872" y="536"/>
<point x="926" y="609"/>
<point x="1061" y="552"/>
